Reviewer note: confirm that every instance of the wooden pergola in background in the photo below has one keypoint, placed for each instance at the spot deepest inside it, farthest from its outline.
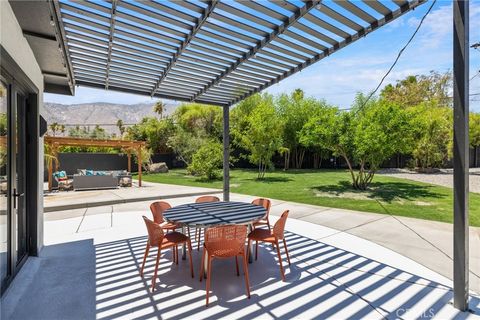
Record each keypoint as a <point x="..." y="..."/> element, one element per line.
<point x="130" y="146"/>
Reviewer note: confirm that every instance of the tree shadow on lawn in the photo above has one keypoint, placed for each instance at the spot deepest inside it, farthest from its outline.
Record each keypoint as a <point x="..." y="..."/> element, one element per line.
<point x="270" y="179"/>
<point x="382" y="191"/>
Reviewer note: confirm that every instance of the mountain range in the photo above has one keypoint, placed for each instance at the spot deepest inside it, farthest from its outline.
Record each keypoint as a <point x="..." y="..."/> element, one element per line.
<point x="104" y="114"/>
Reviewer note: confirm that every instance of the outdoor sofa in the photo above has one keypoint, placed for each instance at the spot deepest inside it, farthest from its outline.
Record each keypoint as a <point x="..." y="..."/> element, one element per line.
<point x="89" y="179"/>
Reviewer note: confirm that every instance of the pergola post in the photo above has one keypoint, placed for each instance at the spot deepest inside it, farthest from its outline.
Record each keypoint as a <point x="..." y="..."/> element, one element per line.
<point x="129" y="158"/>
<point x="226" y="153"/>
<point x="460" y="154"/>
<point x="50" y="171"/>
<point x="139" y="164"/>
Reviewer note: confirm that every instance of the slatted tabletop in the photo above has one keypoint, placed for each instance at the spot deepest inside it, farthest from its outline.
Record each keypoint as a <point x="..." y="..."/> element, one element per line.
<point x="215" y="213"/>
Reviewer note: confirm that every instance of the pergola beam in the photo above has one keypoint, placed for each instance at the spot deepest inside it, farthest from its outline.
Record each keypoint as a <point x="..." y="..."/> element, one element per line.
<point x="298" y="14"/>
<point x="113" y="13"/>
<point x="55" y="16"/>
<point x="184" y="45"/>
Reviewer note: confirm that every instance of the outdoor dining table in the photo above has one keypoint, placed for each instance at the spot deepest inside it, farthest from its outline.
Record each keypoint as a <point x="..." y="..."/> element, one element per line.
<point x="210" y="214"/>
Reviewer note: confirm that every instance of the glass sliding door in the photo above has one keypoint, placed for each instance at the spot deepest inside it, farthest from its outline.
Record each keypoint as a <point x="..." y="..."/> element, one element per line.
<point x="4" y="219"/>
<point x="13" y="156"/>
<point x="18" y="184"/>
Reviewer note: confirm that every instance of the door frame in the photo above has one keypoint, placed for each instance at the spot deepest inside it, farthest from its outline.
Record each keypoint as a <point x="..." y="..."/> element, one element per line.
<point x="18" y="81"/>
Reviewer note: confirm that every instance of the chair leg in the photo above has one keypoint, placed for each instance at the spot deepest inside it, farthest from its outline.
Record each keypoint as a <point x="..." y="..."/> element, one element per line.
<point x="157" y="261"/>
<point x="147" y="249"/>
<point x="247" y="280"/>
<point x="256" y="250"/>
<point x="286" y="250"/>
<point x="189" y="243"/>
<point x="176" y="254"/>
<point x="270" y="230"/>
<point x="248" y="247"/>
<point x="280" y="260"/>
<point x="202" y="265"/>
<point x="209" y="277"/>
<point x="199" y="237"/>
<point x="236" y="264"/>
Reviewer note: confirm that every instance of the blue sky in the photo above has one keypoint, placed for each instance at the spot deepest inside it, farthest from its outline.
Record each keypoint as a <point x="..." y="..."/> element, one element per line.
<point x="360" y="66"/>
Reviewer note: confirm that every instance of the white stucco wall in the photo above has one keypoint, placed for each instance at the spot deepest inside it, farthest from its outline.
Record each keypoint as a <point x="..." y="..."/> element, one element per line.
<point x="13" y="41"/>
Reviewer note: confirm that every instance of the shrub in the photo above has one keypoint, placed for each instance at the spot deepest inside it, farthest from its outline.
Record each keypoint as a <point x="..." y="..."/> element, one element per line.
<point x="207" y="161"/>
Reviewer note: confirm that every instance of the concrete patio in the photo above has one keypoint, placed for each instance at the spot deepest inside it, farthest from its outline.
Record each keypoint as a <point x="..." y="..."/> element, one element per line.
<point x="426" y="242"/>
<point x="91" y="260"/>
<point x="66" y="200"/>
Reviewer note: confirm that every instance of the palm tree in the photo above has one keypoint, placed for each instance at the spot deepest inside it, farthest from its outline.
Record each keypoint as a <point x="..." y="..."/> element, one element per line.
<point x="159" y="108"/>
<point x="61" y="128"/>
<point x="54" y="127"/>
<point x="121" y="127"/>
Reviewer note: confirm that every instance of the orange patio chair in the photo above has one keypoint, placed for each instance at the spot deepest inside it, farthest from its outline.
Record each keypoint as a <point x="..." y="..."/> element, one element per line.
<point x="158" y="208"/>
<point x="273" y="237"/>
<point x="199" y="230"/>
<point x="224" y="242"/>
<point x="266" y="204"/>
<point x="158" y="239"/>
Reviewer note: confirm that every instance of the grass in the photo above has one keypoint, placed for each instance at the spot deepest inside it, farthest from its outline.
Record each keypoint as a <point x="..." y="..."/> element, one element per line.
<point x="331" y="188"/>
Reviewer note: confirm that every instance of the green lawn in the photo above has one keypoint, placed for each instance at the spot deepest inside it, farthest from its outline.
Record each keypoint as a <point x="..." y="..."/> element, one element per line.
<point x="331" y="188"/>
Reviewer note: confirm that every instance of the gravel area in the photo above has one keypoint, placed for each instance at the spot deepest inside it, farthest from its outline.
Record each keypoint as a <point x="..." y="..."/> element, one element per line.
<point x="442" y="178"/>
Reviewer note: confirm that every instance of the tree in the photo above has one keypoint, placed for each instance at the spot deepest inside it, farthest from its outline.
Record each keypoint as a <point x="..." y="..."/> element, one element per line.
<point x="432" y="128"/>
<point x="414" y="90"/>
<point x="295" y="110"/>
<point x="154" y="131"/>
<point x="474" y="129"/>
<point x="199" y="119"/>
<point x="185" y="144"/>
<point x="261" y="133"/>
<point x="474" y="134"/>
<point x="55" y="127"/>
<point x="120" y="127"/>
<point x="207" y="160"/>
<point x="99" y="133"/>
<point x="364" y="137"/>
<point x="311" y="136"/>
<point x="159" y="108"/>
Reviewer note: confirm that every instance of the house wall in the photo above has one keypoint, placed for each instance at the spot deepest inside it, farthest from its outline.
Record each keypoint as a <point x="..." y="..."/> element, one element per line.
<point x="16" y="45"/>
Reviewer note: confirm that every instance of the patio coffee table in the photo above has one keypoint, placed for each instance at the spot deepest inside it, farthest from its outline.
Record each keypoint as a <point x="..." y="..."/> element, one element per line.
<point x="209" y="214"/>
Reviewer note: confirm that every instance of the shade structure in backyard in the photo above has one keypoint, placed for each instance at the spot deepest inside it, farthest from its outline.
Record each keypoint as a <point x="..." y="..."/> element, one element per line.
<point x="215" y="52"/>
<point x="220" y="52"/>
<point x="128" y="146"/>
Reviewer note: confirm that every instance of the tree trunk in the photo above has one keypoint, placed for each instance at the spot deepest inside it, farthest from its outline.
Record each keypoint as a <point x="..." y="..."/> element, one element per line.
<point x="301" y="157"/>
<point x="298" y="155"/>
<point x="352" y="173"/>
<point x="317" y="160"/>
<point x="286" y="164"/>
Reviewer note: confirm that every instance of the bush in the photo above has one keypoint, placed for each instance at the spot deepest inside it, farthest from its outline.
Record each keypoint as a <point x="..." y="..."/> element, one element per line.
<point x="207" y="161"/>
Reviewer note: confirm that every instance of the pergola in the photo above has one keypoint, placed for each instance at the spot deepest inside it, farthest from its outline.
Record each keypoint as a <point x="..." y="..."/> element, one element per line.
<point x="220" y="52"/>
<point x="129" y="146"/>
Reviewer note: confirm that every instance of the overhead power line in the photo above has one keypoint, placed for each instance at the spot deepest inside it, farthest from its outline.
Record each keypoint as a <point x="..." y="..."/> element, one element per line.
<point x="401" y="52"/>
